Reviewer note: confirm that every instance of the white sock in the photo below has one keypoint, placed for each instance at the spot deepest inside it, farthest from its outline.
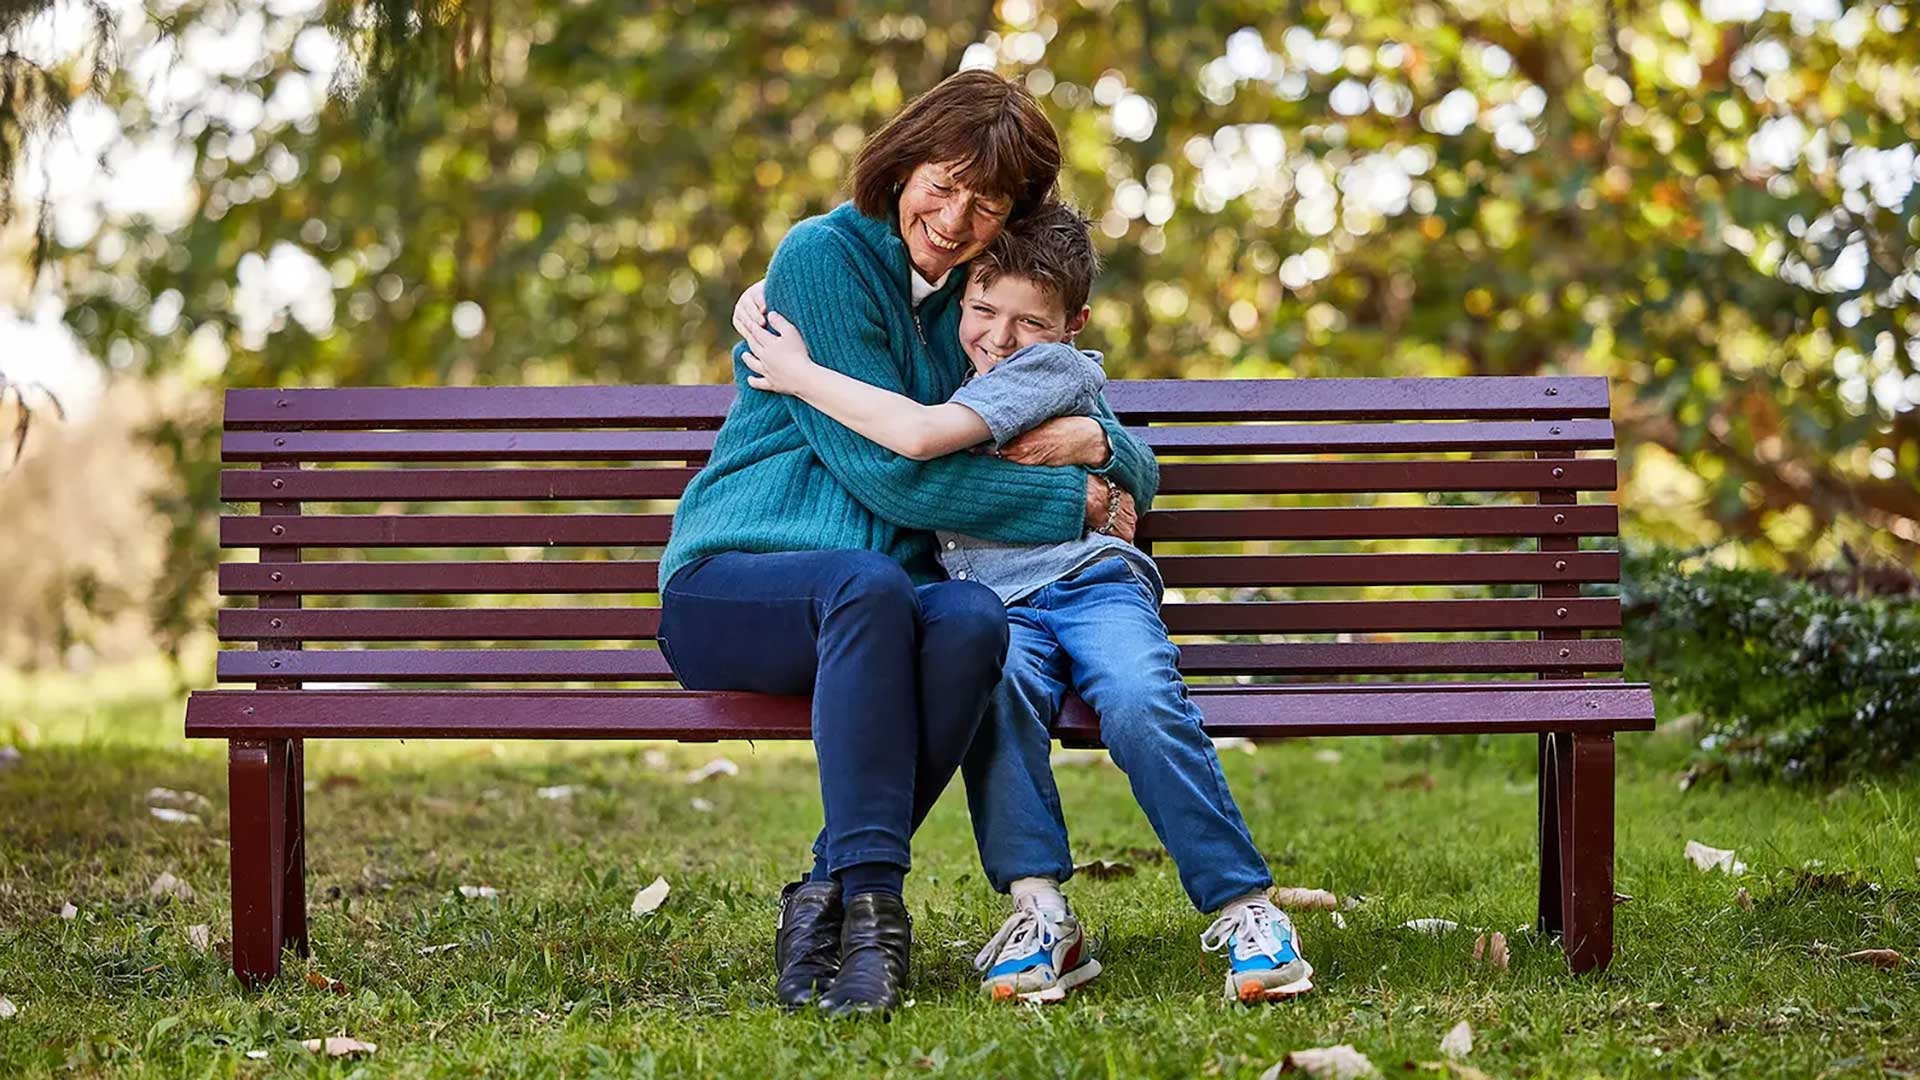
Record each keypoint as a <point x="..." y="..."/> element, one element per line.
<point x="1240" y="903"/>
<point x="1042" y="892"/>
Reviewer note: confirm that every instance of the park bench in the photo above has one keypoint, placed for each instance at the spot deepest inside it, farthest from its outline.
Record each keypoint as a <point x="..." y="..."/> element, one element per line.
<point x="1464" y="492"/>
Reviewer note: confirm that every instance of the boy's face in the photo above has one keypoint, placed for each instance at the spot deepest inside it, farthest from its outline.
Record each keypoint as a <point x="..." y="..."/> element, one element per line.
<point x="1000" y="319"/>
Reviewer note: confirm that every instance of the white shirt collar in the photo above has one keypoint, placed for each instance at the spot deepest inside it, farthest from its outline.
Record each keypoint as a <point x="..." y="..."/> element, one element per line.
<point x="922" y="288"/>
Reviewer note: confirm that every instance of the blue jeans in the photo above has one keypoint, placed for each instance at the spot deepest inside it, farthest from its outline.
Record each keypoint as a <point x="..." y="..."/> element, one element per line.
<point x="1098" y="634"/>
<point x="899" y="675"/>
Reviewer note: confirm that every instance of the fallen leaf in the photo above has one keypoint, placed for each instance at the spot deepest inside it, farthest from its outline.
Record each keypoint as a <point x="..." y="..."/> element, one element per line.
<point x="558" y="791"/>
<point x="1622" y="898"/>
<point x="657" y="760"/>
<point x="1339" y="921"/>
<point x="1234" y="742"/>
<point x="648" y="900"/>
<point x="717" y="767"/>
<point x="1297" y="899"/>
<point x="429" y="950"/>
<point x="1711" y="858"/>
<point x="1743" y="899"/>
<point x="704" y="806"/>
<point x="1431" y="926"/>
<point x="479" y="892"/>
<point x="69" y="912"/>
<point x="1328" y="756"/>
<point x="1341" y="1062"/>
<point x="1880" y="958"/>
<point x="168" y="885"/>
<point x="192" y="800"/>
<point x="339" y="1046"/>
<point x="324" y="982"/>
<point x="8" y="1010"/>
<point x="257" y="1055"/>
<point x="1493" y="949"/>
<point x="172" y="816"/>
<point x="200" y="936"/>
<point x="1353" y="902"/>
<point x="1101" y="869"/>
<point x="1458" y="1041"/>
<point x="1415" y="782"/>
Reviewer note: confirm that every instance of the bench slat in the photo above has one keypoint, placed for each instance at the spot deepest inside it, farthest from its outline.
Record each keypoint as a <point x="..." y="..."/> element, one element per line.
<point x="1180" y="571"/>
<point x="636" y="624"/>
<point x="446" y="446"/>
<point x="1469" y="397"/>
<point x="1273" y="477"/>
<point x="695" y="716"/>
<point x="639" y="665"/>
<point x="595" y="530"/>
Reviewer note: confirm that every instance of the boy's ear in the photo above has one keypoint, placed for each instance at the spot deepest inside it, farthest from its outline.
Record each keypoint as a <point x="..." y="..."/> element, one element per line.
<point x="1078" y="322"/>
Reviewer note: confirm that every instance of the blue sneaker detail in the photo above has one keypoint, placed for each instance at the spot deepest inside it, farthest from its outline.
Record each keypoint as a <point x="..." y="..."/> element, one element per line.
<point x="1036" y="956"/>
<point x="1263" y="953"/>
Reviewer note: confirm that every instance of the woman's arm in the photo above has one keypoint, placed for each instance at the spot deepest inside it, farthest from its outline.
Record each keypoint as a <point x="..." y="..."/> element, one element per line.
<point x="782" y="365"/>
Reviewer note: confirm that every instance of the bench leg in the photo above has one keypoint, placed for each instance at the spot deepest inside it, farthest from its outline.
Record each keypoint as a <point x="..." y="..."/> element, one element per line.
<point x="1576" y="845"/>
<point x="264" y="798"/>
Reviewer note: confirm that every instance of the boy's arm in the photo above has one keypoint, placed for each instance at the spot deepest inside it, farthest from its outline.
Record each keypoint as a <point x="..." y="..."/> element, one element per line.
<point x="782" y="365"/>
<point x="1031" y="387"/>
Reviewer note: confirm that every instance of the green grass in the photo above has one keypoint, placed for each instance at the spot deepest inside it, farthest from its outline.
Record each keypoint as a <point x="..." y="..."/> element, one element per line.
<point x="555" y="978"/>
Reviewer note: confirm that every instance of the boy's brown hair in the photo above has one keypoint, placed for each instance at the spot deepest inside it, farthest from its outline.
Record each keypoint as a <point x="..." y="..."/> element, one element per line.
<point x="990" y="125"/>
<point x="1053" y="247"/>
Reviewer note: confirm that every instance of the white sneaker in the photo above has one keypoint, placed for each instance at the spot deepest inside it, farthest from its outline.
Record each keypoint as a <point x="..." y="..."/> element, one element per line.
<point x="1037" y="955"/>
<point x="1263" y="953"/>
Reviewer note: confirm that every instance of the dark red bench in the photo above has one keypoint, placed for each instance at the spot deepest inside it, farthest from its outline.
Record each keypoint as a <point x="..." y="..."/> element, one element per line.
<point x="1259" y="480"/>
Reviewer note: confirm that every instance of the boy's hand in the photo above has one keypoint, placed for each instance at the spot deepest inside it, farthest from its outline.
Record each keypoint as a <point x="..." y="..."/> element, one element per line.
<point x="780" y="363"/>
<point x="1063" y="440"/>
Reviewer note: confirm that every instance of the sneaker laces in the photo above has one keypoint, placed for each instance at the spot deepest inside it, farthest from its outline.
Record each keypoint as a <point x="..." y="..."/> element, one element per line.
<point x="1256" y="924"/>
<point x="1021" y="934"/>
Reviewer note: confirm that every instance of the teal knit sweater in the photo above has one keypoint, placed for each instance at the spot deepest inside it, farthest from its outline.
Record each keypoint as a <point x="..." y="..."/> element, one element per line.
<point x="785" y="477"/>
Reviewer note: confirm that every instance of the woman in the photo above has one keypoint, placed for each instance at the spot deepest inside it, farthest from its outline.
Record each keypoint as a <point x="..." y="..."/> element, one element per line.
<point x="801" y="559"/>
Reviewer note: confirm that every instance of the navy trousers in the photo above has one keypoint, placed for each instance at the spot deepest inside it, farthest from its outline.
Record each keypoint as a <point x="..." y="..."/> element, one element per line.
<point x="900" y="675"/>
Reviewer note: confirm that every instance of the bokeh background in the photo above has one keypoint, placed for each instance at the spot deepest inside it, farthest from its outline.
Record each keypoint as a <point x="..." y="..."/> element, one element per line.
<point x="1711" y="203"/>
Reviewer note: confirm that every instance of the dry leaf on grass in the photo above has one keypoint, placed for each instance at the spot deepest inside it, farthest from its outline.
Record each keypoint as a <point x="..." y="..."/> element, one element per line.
<point x="1297" y="899"/>
<point x="479" y="892"/>
<point x="324" y="982"/>
<point x="1234" y="742"/>
<point x="172" y="816"/>
<point x="1327" y="757"/>
<point x="1622" y="898"/>
<point x="1339" y="921"/>
<point x="657" y="760"/>
<point x="1102" y="869"/>
<point x="1880" y="958"/>
<point x="1743" y="899"/>
<point x="703" y="806"/>
<point x="1341" y="1062"/>
<point x="1458" y="1041"/>
<point x="339" y="1046"/>
<point x="1712" y="858"/>
<point x="648" y="900"/>
<point x="1493" y="949"/>
<point x="716" y="768"/>
<point x="429" y="950"/>
<point x="8" y="1010"/>
<point x="200" y="936"/>
<point x="558" y="791"/>
<point x="168" y="885"/>
<point x="190" y="800"/>
<point x="69" y="912"/>
<point x="1431" y="926"/>
<point x="257" y="1055"/>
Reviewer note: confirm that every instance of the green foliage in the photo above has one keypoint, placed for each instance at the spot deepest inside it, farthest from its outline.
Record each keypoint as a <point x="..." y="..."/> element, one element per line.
<point x="1787" y="678"/>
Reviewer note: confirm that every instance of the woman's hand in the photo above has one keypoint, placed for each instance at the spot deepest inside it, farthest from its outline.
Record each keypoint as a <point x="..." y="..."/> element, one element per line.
<point x="751" y="308"/>
<point x="1100" y="503"/>
<point x="1063" y="440"/>
<point x="778" y="357"/>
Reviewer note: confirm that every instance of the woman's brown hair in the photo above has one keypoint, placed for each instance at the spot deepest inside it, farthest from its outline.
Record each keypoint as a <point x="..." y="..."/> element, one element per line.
<point x="1004" y="144"/>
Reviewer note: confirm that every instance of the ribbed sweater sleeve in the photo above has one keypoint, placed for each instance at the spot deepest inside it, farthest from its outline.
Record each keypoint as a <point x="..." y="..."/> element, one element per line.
<point x="819" y="286"/>
<point x="1133" y="466"/>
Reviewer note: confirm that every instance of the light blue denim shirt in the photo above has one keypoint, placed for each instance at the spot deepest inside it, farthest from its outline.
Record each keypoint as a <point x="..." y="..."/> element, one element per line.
<point x="1023" y="391"/>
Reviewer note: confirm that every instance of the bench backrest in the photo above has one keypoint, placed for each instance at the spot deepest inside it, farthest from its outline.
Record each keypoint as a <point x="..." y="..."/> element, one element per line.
<point x="1404" y="527"/>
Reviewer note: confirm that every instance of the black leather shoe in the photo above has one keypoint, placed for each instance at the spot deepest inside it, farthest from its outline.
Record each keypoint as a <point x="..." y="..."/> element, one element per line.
<point x="806" y="941"/>
<point x="875" y="938"/>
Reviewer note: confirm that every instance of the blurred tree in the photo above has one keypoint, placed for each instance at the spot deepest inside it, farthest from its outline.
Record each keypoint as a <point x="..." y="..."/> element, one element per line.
<point x="1711" y="202"/>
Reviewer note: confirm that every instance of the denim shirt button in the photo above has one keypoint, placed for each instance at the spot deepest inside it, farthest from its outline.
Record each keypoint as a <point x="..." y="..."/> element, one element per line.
<point x="962" y="575"/>
<point x="951" y="545"/>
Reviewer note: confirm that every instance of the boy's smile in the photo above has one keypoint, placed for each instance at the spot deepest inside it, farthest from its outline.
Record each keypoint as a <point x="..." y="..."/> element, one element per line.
<point x="1000" y="319"/>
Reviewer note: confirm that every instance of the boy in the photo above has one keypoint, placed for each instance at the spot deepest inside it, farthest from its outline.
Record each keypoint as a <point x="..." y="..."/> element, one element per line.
<point x="1083" y="618"/>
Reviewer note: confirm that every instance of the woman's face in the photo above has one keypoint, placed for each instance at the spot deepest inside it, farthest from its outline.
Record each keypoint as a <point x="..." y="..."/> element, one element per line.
<point x="944" y="222"/>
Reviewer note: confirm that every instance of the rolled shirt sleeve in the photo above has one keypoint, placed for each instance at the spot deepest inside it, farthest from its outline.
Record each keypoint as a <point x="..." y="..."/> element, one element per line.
<point x="1031" y="387"/>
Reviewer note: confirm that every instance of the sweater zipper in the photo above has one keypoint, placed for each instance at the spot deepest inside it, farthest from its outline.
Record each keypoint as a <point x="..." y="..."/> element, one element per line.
<point x="918" y="329"/>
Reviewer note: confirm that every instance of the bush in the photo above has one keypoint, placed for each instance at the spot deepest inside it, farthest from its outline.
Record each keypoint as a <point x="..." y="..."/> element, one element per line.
<point x="1788" y="678"/>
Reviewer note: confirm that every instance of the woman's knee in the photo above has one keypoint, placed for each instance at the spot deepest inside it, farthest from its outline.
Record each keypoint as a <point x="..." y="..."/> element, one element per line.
<point x="868" y="577"/>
